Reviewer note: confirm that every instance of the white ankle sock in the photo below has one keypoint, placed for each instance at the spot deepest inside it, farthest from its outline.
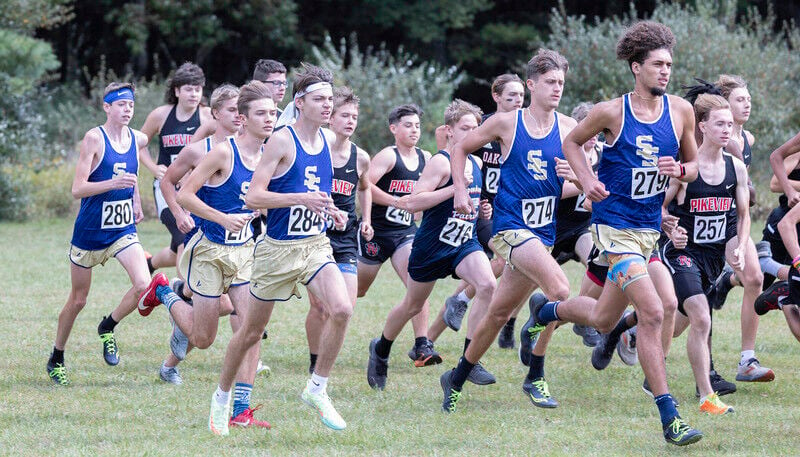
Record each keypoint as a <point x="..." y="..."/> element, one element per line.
<point x="318" y="384"/>
<point x="221" y="396"/>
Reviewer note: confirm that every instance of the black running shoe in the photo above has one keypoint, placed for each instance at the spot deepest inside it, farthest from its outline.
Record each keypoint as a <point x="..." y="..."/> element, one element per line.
<point x="527" y="337"/>
<point x="506" y="338"/>
<point x="679" y="433"/>
<point x="480" y="376"/>
<point x="771" y="298"/>
<point x="57" y="373"/>
<point x="454" y="310"/>
<point x="451" y="396"/>
<point x="590" y="337"/>
<point x="721" y="288"/>
<point x="377" y="367"/>
<point x="718" y="384"/>
<point x="539" y="393"/>
<point x="110" y="349"/>
<point x="604" y="351"/>
<point x="423" y="355"/>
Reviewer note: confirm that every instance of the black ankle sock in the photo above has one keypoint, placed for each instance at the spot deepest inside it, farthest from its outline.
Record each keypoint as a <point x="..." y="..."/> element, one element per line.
<point x="420" y="340"/>
<point x="107" y="325"/>
<point x="312" y="358"/>
<point x="466" y="344"/>
<point x="460" y="373"/>
<point x="150" y="265"/>
<point x="537" y="367"/>
<point x="57" y="357"/>
<point x="384" y="347"/>
<point x="511" y="322"/>
<point x="621" y="326"/>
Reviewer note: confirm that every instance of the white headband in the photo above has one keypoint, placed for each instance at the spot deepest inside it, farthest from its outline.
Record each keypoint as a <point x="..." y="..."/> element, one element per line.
<point x="290" y="113"/>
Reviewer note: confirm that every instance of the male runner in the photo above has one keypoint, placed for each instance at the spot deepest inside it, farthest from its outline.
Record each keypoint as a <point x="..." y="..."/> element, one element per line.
<point x="393" y="173"/>
<point x="644" y="130"/>
<point x="106" y="182"/>
<point x="174" y="123"/>
<point x="446" y="244"/>
<point x="293" y="183"/>
<point x="218" y="259"/>
<point x="524" y="213"/>
<point x="350" y="171"/>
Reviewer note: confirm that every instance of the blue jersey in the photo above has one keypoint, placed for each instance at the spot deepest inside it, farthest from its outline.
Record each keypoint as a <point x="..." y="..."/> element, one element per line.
<point x="443" y="230"/>
<point x="629" y="170"/>
<point x="228" y="197"/>
<point x="529" y="190"/>
<point x="310" y="172"/>
<point x="105" y="218"/>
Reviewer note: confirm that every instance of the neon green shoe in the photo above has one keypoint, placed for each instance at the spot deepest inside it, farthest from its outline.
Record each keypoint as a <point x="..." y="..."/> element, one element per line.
<point x="680" y="433"/>
<point x="218" y="417"/>
<point x="58" y="373"/>
<point x="322" y="404"/>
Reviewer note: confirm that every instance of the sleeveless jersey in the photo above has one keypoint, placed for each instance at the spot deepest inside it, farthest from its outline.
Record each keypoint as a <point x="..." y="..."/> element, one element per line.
<point x="104" y="218"/>
<point x="490" y="155"/>
<point x="571" y="217"/>
<point x="747" y="152"/>
<point x="343" y="190"/>
<point x="200" y="192"/>
<point x="443" y="230"/>
<point x="174" y="135"/>
<point x="708" y="213"/>
<point x="529" y="189"/>
<point x="794" y="175"/>
<point x="398" y="181"/>
<point x="629" y="170"/>
<point x="308" y="173"/>
<point x="228" y="197"/>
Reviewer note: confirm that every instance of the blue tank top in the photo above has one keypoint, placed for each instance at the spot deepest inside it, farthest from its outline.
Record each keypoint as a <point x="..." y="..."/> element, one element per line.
<point x="629" y="170"/>
<point x="443" y="230"/>
<point x="105" y="218"/>
<point x="228" y="197"/>
<point x="529" y="190"/>
<point x="310" y="172"/>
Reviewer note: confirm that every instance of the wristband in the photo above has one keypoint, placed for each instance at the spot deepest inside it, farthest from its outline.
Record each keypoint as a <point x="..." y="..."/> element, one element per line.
<point x="683" y="171"/>
<point x="796" y="263"/>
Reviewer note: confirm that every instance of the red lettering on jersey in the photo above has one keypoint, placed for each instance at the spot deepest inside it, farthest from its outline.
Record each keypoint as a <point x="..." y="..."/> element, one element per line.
<point x="342" y="187"/>
<point x="403" y="186"/>
<point x="177" y="139"/>
<point x="710" y="204"/>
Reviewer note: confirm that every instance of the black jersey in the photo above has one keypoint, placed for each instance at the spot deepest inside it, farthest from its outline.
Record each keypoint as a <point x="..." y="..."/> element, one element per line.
<point x="747" y="153"/>
<point x="398" y="181"/>
<point x="571" y="217"/>
<point x="345" y="184"/>
<point x="708" y="212"/>
<point x="794" y="175"/>
<point x="490" y="155"/>
<point x="174" y="135"/>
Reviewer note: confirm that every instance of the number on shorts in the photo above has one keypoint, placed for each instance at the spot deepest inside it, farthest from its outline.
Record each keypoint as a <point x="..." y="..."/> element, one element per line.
<point x="492" y="180"/>
<point x="304" y="222"/>
<point x="538" y="212"/>
<point x="709" y="229"/>
<point x="646" y="182"/>
<point x="456" y="232"/>
<point x="117" y="214"/>
<point x="398" y="216"/>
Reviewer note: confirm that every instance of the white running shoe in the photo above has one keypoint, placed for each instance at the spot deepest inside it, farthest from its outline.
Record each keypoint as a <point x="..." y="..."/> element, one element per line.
<point x="322" y="404"/>
<point x="219" y="416"/>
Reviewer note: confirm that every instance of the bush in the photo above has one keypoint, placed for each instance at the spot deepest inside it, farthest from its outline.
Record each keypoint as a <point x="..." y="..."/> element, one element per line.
<point x="709" y="42"/>
<point x="383" y="81"/>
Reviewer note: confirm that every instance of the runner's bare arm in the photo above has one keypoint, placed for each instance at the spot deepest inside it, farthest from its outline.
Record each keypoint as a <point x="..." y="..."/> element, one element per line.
<point x="89" y="155"/>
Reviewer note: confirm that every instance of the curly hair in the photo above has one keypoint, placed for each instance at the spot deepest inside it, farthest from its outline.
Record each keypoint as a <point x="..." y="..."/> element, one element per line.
<point x="188" y="73"/>
<point x="643" y="37"/>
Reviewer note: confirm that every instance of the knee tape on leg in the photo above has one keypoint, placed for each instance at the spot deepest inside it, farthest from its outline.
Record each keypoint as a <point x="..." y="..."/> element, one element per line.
<point x="627" y="269"/>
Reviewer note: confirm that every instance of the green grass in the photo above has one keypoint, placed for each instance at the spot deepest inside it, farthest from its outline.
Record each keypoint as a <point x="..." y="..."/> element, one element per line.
<point x="128" y="410"/>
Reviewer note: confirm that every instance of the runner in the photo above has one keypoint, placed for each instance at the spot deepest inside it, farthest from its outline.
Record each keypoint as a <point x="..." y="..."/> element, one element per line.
<point x="106" y="182"/>
<point x="393" y="173"/>
<point x="645" y="130"/>
<point x="446" y="244"/>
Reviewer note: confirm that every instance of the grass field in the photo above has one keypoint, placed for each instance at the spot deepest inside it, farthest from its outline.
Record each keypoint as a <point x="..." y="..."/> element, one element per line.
<point x="127" y="410"/>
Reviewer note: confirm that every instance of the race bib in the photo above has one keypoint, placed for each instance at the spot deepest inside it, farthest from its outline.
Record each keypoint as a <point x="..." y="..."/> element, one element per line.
<point x="241" y="236"/>
<point x="399" y="216"/>
<point x="646" y="182"/>
<point x="116" y="215"/>
<point x="492" y="180"/>
<point x="579" y="203"/>
<point x="456" y="232"/>
<point x="304" y="222"/>
<point x="710" y="229"/>
<point x="538" y="212"/>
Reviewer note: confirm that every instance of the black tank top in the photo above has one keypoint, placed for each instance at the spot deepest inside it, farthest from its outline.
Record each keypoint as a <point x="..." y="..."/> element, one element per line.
<point x="571" y="217"/>
<point x="490" y="155"/>
<point x="708" y="213"/>
<point x="794" y="175"/>
<point x="747" y="153"/>
<point x="398" y="181"/>
<point x="345" y="185"/>
<point x="174" y="135"/>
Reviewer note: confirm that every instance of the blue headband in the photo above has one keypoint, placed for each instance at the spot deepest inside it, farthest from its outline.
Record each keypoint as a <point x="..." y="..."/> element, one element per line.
<point x="121" y="94"/>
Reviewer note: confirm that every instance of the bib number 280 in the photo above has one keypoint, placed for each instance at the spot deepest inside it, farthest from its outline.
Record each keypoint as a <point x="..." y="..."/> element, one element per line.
<point x="117" y="214"/>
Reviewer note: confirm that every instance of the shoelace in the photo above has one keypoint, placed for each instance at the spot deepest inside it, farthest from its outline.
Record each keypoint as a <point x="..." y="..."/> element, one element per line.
<point x="460" y="310"/>
<point x="679" y="427"/>
<point x="542" y="387"/>
<point x="109" y="342"/>
<point x="453" y="399"/>
<point x="59" y="373"/>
